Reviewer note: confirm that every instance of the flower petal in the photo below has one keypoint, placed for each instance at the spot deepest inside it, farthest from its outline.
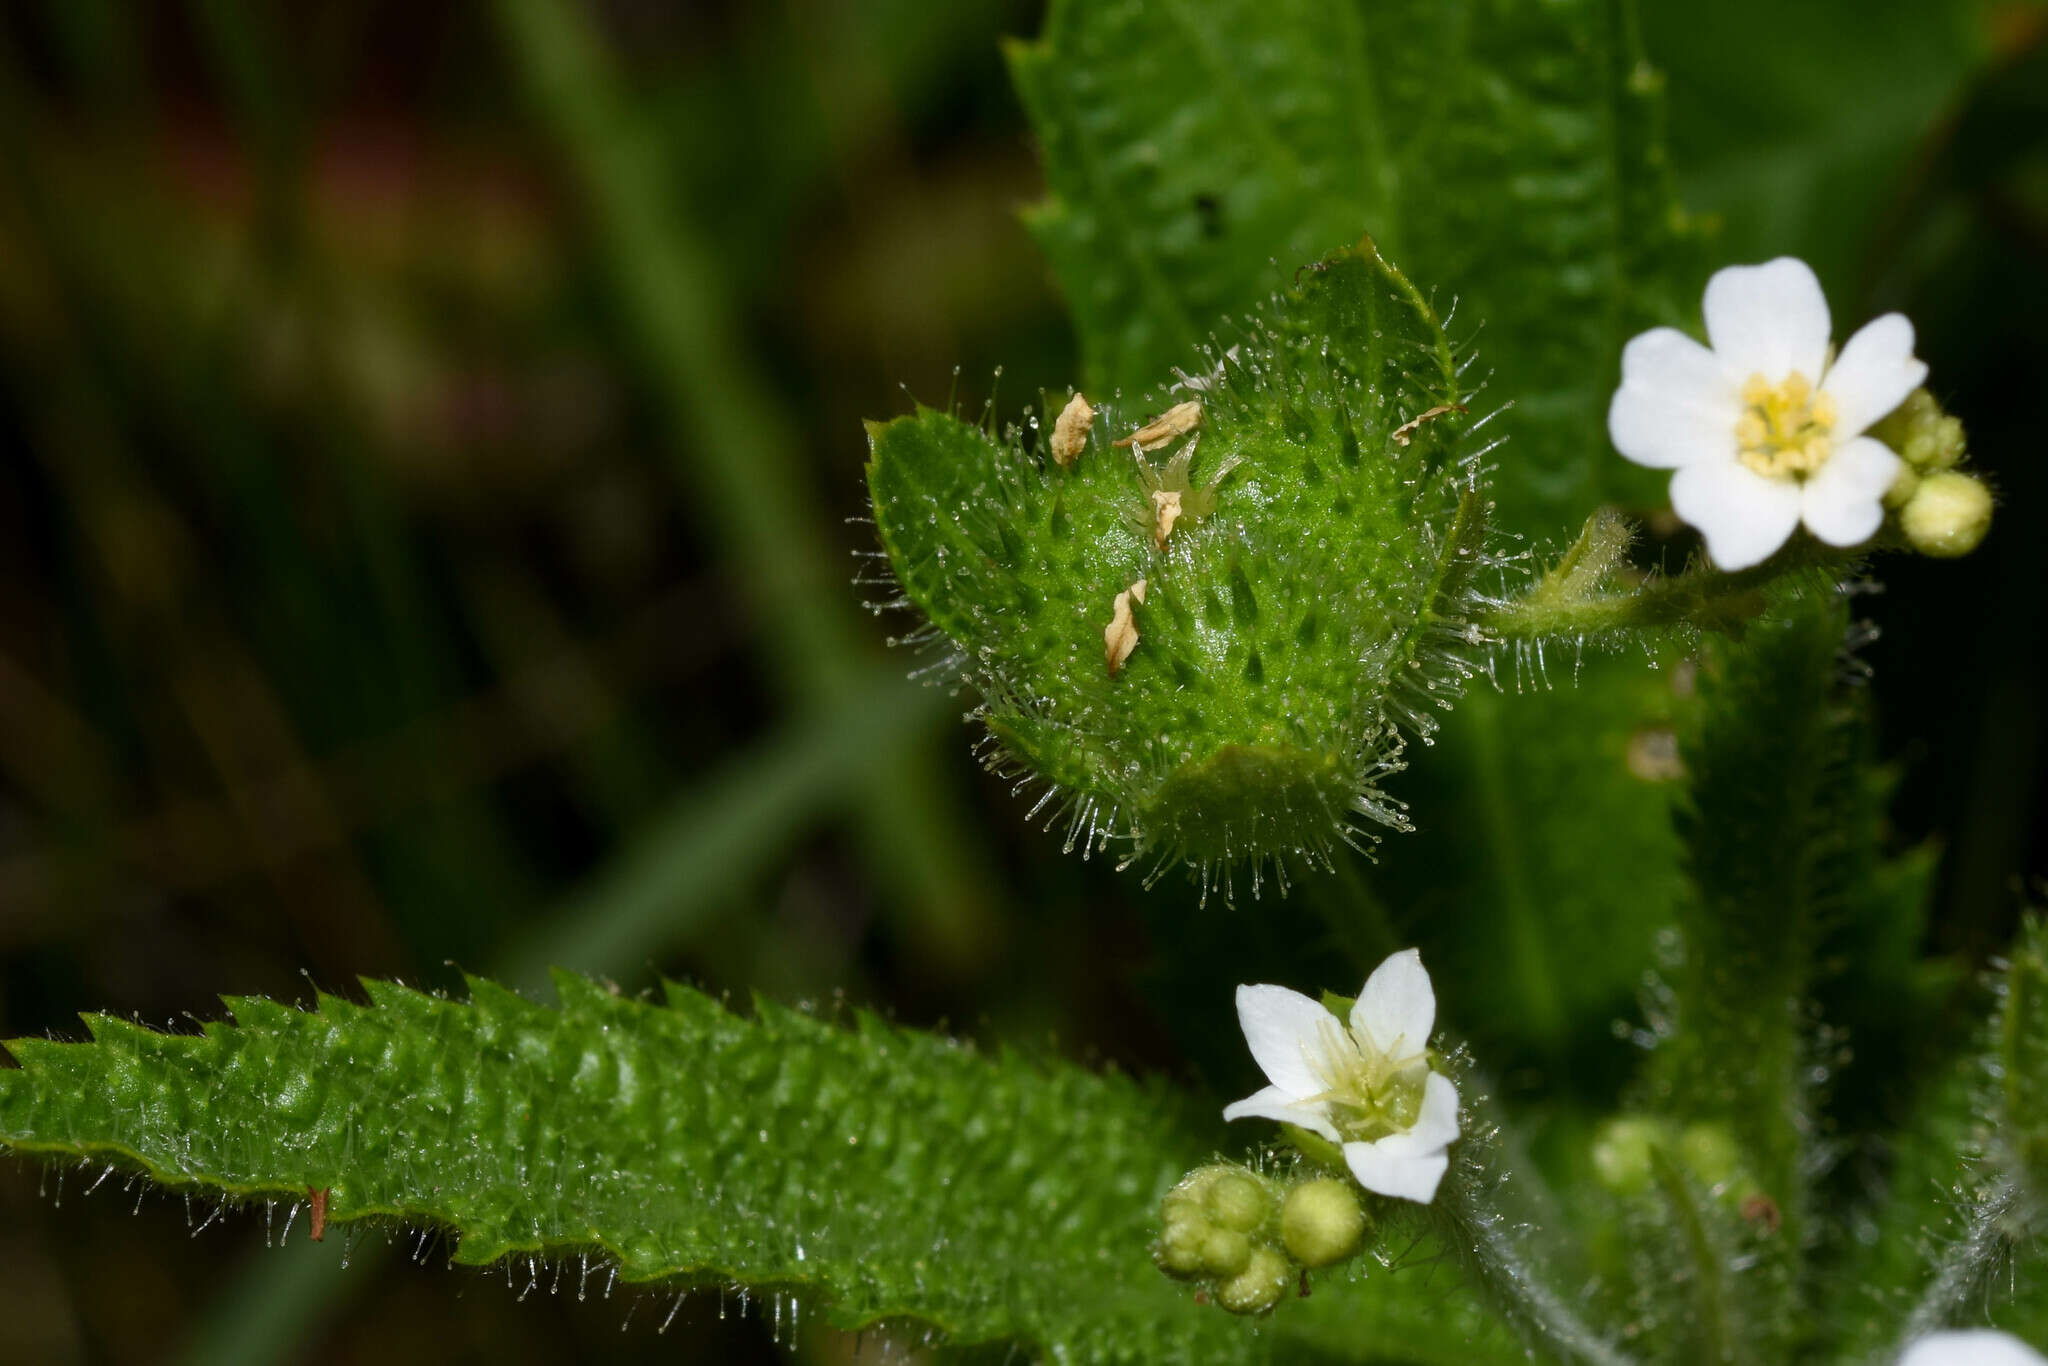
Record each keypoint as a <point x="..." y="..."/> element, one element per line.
<point x="1437" y="1125"/>
<point x="1971" y="1347"/>
<point x="1768" y="320"/>
<point x="1284" y="1029"/>
<point x="1676" y="404"/>
<point x="1387" y="1170"/>
<point x="1743" y="515"/>
<point x="1397" y="1008"/>
<point x="1274" y="1103"/>
<point x="1874" y="373"/>
<point x="1843" y="502"/>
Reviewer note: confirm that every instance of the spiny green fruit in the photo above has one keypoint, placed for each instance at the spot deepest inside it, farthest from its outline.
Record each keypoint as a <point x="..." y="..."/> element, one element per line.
<point x="1198" y="619"/>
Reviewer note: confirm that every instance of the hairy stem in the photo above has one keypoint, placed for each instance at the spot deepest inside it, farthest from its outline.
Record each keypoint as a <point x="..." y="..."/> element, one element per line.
<point x="1566" y="601"/>
<point x="1710" y="1335"/>
<point x="1485" y="1241"/>
<point x="1964" y="1263"/>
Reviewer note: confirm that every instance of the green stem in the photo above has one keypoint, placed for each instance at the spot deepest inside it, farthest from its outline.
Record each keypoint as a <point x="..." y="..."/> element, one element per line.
<point x="1708" y="1321"/>
<point x="1484" y="1240"/>
<point x="1562" y="603"/>
<point x="1962" y="1267"/>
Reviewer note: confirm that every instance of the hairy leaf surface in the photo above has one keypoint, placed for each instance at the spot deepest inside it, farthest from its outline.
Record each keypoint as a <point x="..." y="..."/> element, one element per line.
<point x="1504" y="151"/>
<point x="882" y="1174"/>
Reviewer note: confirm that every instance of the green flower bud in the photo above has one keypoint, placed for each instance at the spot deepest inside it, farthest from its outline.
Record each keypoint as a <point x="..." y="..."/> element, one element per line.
<point x="1924" y="436"/>
<point x="1322" y="1222"/>
<point x="1179" y="1251"/>
<point x="1226" y="1253"/>
<point x="1259" y="1286"/>
<point x="1904" y="486"/>
<point x="1947" y="515"/>
<point x="1192" y="1193"/>
<point x="1711" y="1154"/>
<point x="1621" y="1152"/>
<point x="1239" y="1201"/>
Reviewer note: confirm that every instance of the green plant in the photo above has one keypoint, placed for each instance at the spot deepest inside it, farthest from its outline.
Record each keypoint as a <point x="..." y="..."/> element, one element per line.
<point x="1217" y="610"/>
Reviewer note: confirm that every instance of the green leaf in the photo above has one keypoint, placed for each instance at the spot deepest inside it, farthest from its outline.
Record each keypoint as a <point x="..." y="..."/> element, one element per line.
<point x="877" y="1174"/>
<point x="1789" y="886"/>
<point x="1309" y="590"/>
<point x="2022" y="1070"/>
<point x="1505" y="151"/>
<point x="881" y="1173"/>
<point x="1795" y="152"/>
<point x="1547" y="813"/>
<point x="1958" y="1233"/>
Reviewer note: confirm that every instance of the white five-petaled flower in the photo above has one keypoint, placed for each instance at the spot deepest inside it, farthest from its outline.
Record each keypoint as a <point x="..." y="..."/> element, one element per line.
<point x="1971" y="1347"/>
<point x="1366" y="1084"/>
<point x="1766" y="428"/>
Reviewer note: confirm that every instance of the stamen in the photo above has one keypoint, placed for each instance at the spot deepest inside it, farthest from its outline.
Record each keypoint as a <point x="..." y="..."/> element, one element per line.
<point x="1366" y="1094"/>
<point x="1784" y="432"/>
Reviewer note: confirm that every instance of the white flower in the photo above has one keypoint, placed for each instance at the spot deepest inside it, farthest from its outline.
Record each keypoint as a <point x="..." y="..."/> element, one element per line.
<point x="1367" y="1085"/>
<point x="1765" y="430"/>
<point x="1973" y="1347"/>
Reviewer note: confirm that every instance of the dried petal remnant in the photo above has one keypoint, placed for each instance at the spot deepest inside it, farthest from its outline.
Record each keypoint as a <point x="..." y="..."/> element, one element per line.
<point x="1120" y="637"/>
<point x="1070" y="432"/>
<point x="1166" y="505"/>
<point x="1170" y="425"/>
<point x="1408" y="429"/>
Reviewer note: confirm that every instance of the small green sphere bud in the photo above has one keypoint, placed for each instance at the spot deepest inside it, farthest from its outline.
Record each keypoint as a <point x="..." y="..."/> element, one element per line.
<point x="1259" y="1286"/>
<point x="1621" y="1153"/>
<point x="1904" y="486"/>
<point x="1948" y="443"/>
<point x="1322" y="1222"/>
<point x="1239" y="1201"/>
<point x="1947" y="515"/>
<point x="1226" y="1253"/>
<point x="1710" y="1153"/>
<point x="1180" y="1248"/>
<point x="1191" y="1195"/>
<point x="1924" y="436"/>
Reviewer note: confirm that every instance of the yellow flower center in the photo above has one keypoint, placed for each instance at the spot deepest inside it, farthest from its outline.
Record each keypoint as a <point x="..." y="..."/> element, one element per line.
<point x="1368" y="1094"/>
<point x="1784" y="429"/>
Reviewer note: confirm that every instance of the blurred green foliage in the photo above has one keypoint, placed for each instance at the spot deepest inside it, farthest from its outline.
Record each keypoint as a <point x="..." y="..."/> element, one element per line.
<point x="430" y="433"/>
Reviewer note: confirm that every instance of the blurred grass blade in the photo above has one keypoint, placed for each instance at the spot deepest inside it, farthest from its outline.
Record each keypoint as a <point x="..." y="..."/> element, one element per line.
<point x="737" y="464"/>
<point x="690" y="860"/>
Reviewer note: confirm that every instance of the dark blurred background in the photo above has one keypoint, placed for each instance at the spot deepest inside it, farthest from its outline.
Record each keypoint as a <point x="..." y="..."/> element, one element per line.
<point x="433" y="448"/>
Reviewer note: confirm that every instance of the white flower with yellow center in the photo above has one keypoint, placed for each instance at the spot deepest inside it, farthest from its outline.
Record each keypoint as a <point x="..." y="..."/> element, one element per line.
<point x="1766" y="428"/>
<point x="1366" y="1084"/>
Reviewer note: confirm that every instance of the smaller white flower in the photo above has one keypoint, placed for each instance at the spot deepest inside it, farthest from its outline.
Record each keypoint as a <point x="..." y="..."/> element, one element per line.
<point x="1366" y="1085"/>
<point x="1765" y="430"/>
<point x="1971" y="1347"/>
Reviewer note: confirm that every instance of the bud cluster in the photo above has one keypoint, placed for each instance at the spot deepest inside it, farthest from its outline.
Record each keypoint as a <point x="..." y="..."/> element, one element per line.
<point x="1943" y="511"/>
<point x="1245" y="1236"/>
